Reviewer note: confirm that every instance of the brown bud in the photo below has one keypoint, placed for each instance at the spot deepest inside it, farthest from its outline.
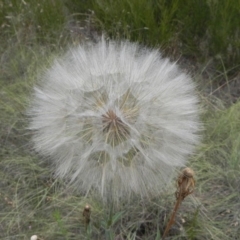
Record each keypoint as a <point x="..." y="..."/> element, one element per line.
<point x="185" y="183"/>
<point x="87" y="214"/>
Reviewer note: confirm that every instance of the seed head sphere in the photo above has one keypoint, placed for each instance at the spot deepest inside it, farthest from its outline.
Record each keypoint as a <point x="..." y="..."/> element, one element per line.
<point x="115" y="118"/>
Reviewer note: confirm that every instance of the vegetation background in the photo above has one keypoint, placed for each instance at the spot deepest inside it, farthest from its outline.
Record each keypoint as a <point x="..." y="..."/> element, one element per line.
<point x="202" y="35"/>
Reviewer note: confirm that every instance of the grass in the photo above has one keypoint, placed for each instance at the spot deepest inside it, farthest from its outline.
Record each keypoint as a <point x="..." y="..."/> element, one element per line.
<point x="33" y="202"/>
<point x="197" y="29"/>
<point x="23" y="19"/>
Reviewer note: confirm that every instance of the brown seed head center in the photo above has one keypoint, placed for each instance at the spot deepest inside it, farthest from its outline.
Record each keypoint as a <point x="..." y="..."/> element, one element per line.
<point x="111" y="121"/>
<point x="116" y="129"/>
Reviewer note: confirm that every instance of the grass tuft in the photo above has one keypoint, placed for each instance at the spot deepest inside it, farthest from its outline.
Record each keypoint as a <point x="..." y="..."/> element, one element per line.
<point x="197" y="29"/>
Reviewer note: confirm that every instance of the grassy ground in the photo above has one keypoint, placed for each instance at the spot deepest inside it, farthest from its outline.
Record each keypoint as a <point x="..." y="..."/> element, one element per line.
<point x="198" y="29"/>
<point x="33" y="202"/>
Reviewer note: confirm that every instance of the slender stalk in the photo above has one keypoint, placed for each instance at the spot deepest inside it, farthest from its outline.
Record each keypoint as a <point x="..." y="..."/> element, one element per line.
<point x="172" y="218"/>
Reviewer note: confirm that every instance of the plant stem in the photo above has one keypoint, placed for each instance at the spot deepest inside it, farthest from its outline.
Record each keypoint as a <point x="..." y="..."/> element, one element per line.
<point x="171" y="221"/>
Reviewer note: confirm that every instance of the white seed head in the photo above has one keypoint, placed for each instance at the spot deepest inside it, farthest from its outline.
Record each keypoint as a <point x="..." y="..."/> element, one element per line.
<point x="115" y="118"/>
<point x="34" y="237"/>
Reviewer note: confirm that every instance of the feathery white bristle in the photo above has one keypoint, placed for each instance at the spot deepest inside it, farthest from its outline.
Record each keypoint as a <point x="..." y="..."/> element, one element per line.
<point x="112" y="114"/>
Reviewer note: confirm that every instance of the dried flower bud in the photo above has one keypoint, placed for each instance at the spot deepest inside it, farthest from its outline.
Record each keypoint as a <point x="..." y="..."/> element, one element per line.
<point x="87" y="214"/>
<point x="185" y="183"/>
<point x="185" y="186"/>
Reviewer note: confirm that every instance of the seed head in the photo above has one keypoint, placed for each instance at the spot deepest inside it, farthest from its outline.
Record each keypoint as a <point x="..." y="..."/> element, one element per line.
<point x="115" y="118"/>
<point x="34" y="237"/>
